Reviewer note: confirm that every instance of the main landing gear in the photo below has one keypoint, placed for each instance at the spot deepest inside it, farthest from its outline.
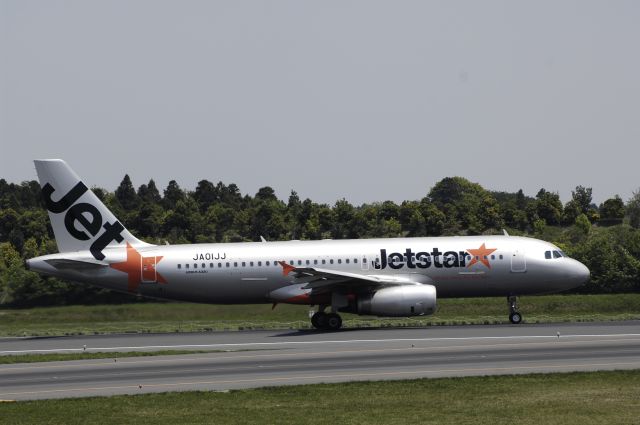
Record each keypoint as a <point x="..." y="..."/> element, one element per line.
<point x="514" y="315"/>
<point x="326" y="321"/>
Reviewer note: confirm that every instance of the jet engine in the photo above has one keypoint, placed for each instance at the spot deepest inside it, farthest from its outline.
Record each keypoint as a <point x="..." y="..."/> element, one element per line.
<point x="399" y="301"/>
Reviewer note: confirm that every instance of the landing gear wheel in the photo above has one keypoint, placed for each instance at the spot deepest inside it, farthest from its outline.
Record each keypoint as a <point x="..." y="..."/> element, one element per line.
<point x="514" y="315"/>
<point x="319" y="320"/>
<point x="324" y="321"/>
<point x="515" y="318"/>
<point x="334" y="321"/>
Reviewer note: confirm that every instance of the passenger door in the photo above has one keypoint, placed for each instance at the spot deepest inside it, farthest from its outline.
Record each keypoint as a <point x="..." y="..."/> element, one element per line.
<point x="149" y="273"/>
<point x="518" y="262"/>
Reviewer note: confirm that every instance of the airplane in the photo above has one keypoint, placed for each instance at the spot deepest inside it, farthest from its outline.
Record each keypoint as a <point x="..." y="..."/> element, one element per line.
<point x="390" y="277"/>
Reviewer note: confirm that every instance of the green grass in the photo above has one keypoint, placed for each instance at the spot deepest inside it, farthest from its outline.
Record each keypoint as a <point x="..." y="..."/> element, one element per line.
<point x="573" y="398"/>
<point x="181" y="317"/>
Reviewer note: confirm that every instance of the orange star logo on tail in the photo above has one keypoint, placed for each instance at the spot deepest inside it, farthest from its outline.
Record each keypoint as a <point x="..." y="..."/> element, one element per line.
<point x="480" y="255"/>
<point x="139" y="267"/>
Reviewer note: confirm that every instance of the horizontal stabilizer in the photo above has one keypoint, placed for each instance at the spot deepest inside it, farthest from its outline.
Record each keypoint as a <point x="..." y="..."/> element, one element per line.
<point x="66" y="264"/>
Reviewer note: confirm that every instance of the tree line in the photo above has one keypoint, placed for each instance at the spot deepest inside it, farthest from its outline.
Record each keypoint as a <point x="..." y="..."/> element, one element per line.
<point x="605" y="237"/>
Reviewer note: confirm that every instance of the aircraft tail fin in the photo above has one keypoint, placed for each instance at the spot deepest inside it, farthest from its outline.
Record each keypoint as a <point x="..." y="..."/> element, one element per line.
<point x="79" y="219"/>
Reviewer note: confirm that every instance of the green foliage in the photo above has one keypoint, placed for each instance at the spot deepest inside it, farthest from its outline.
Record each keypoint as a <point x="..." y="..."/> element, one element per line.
<point x="612" y="211"/>
<point x="467" y="206"/>
<point x="344" y="214"/>
<point x="220" y="213"/>
<point x="172" y="195"/>
<point x="126" y="194"/>
<point x="149" y="193"/>
<point x="516" y="209"/>
<point x="633" y="210"/>
<point x="612" y="255"/>
<point x="583" y="224"/>
<point x="549" y="207"/>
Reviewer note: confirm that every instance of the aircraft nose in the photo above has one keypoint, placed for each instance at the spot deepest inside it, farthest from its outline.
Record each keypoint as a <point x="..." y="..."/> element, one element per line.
<point x="579" y="272"/>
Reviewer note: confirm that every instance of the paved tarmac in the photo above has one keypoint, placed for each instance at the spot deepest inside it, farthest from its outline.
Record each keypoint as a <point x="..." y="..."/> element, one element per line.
<point x="251" y="359"/>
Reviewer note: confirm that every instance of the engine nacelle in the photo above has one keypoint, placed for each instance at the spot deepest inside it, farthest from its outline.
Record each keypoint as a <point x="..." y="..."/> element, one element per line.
<point x="399" y="301"/>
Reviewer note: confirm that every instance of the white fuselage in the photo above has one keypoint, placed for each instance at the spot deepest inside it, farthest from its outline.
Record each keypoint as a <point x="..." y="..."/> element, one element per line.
<point x="251" y="272"/>
<point x="384" y="277"/>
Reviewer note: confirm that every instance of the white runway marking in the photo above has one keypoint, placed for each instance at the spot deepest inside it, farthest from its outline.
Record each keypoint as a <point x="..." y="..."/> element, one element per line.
<point x="273" y="344"/>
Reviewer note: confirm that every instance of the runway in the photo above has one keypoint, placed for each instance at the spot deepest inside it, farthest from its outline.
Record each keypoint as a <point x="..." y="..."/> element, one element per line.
<point x="267" y="358"/>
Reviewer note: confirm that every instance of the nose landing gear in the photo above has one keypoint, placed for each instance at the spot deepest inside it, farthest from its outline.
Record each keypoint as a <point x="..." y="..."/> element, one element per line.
<point x="514" y="315"/>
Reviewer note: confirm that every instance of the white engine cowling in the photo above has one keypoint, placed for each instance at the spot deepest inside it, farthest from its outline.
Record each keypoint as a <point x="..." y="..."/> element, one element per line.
<point x="399" y="301"/>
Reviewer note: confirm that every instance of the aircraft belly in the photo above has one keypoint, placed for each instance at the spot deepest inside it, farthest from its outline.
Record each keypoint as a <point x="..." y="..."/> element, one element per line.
<point x="499" y="284"/>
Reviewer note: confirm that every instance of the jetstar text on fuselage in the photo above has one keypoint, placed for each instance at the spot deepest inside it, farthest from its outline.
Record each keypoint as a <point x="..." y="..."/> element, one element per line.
<point x="424" y="259"/>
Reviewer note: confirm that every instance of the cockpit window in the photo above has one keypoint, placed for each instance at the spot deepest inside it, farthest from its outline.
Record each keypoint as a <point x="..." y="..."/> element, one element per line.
<point x="556" y="254"/>
<point x="547" y="255"/>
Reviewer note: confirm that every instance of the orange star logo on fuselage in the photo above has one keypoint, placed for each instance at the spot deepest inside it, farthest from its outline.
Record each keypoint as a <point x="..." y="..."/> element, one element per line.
<point x="480" y="255"/>
<point x="137" y="266"/>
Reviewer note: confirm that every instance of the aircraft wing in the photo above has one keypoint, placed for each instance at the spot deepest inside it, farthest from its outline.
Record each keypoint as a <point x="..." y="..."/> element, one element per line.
<point x="321" y="280"/>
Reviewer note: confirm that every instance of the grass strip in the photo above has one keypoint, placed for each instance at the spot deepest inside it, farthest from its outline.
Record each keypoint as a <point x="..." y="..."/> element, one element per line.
<point x="568" y="398"/>
<point x="183" y="317"/>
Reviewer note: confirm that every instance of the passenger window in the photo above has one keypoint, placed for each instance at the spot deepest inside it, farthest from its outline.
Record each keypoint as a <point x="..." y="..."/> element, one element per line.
<point x="186" y="266"/>
<point x="355" y="261"/>
<point x="315" y="261"/>
<point x="308" y="262"/>
<point x="228" y="264"/>
<point x="267" y="263"/>
<point x="204" y="266"/>
<point x="556" y="254"/>
<point x="299" y="262"/>
<point x="179" y="266"/>
<point x="219" y="265"/>
<point x="339" y="260"/>
<point x="210" y="265"/>
<point x="324" y="261"/>
<point x="235" y="264"/>
<point x="500" y="256"/>
<point x="493" y="257"/>
<point x="259" y="263"/>
<point x="244" y="264"/>
<point x="195" y="266"/>
<point x="251" y="263"/>
<point x="346" y="261"/>
<point x="547" y="255"/>
<point x="331" y="261"/>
